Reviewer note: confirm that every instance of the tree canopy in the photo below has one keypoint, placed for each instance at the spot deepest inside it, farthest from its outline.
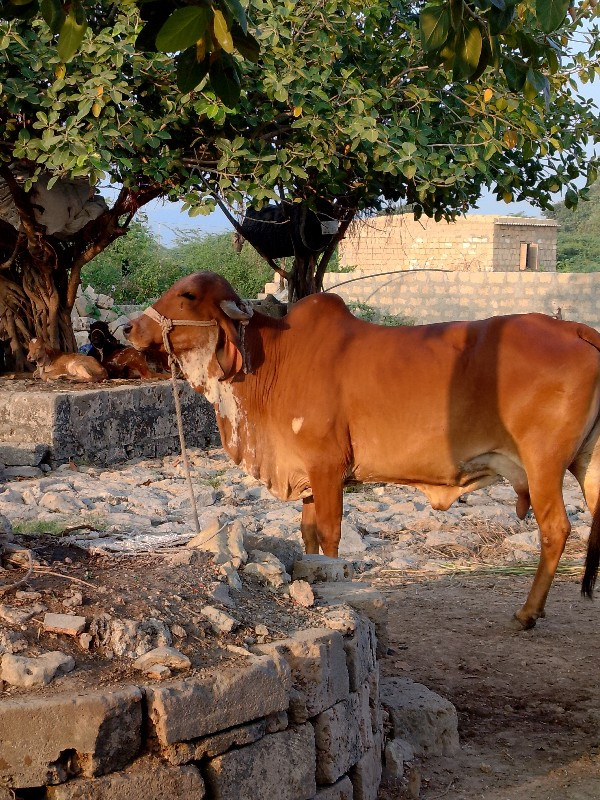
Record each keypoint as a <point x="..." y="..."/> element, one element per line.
<point x="202" y="34"/>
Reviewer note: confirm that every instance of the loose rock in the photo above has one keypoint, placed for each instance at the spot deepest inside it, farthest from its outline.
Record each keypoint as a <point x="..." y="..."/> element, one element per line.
<point x="27" y="672"/>
<point x="220" y="621"/>
<point x="301" y="593"/>
<point x="162" y="656"/>
<point x="69" y="624"/>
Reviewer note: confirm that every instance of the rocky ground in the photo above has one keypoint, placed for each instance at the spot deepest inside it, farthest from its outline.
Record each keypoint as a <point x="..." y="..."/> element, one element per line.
<point x="114" y="554"/>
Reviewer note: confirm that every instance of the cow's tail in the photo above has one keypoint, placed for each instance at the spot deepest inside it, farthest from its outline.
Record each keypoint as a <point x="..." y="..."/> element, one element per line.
<point x="592" y="559"/>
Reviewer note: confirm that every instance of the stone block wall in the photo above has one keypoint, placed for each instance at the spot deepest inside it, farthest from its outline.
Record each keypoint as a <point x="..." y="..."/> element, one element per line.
<point x="428" y="297"/>
<point x="511" y="234"/>
<point x="299" y="719"/>
<point x="474" y="243"/>
<point x="106" y="425"/>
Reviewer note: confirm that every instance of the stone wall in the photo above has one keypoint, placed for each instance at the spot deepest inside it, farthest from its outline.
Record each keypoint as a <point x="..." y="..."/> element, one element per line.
<point x="105" y="425"/>
<point x="300" y="719"/>
<point x="437" y="297"/>
<point x="474" y="243"/>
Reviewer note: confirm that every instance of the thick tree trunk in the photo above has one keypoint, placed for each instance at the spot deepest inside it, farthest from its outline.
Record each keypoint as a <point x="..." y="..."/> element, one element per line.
<point x="40" y="274"/>
<point x="33" y="303"/>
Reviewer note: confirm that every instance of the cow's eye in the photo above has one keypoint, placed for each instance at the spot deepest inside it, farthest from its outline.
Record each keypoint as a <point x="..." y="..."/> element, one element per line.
<point x="188" y="295"/>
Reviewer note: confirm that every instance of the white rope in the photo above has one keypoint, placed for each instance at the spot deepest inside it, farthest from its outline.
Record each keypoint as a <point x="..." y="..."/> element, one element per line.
<point x="186" y="463"/>
<point x="166" y="326"/>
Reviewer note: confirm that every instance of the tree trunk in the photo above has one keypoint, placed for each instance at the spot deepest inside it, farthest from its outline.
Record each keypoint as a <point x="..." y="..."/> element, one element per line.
<point x="33" y="303"/>
<point x="308" y="270"/>
<point x="40" y="274"/>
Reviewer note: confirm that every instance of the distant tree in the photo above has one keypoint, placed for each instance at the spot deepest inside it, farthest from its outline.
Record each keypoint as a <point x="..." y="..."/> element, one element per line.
<point x="578" y="245"/>
<point x="246" y="270"/>
<point x="134" y="268"/>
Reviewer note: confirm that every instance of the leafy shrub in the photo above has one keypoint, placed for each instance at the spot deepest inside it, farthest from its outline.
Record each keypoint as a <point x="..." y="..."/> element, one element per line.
<point x="370" y="314"/>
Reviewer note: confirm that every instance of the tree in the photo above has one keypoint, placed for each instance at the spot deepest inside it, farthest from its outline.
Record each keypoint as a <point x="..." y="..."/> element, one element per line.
<point x="110" y="113"/>
<point x="346" y="113"/>
<point x="578" y="245"/>
<point x="137" y="269"/>
<point x="203" y="34"/>
<point x="247" y="271"/>
<point x="352" y="106"/>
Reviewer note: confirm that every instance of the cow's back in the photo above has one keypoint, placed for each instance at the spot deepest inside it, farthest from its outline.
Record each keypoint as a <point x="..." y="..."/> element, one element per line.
<point x="416" y="402"/>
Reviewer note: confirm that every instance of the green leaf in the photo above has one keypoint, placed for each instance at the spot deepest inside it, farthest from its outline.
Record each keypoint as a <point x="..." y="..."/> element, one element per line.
<point x="183" y="28"/>
<point x="189" y="72"/>
<point x="571" y="198"/>
<point x="500" y="19"/>
<point x="238" y="13"/>
<point x="434" y="22"/>
<point x="468" y="50"/>
<point x="551" y="13"/>
<point x="245" y="44"/>
<point x="21" y="2"/>
<point x="515" y="75"/>
<point x="225" y="80"/>
<point x="53" y="14"/>
<point x="71" y="33"/>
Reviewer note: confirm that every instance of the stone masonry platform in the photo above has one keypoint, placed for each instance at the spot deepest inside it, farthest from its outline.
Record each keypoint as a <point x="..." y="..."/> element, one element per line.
<point x="285" y="723"/>
<point x="103" y="424"/>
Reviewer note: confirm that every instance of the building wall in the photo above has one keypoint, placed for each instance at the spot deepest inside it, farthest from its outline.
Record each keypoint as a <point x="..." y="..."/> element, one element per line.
<point x="510" y="233"/>
<point x="470" y="244"/>
<point x="437" y="297"/>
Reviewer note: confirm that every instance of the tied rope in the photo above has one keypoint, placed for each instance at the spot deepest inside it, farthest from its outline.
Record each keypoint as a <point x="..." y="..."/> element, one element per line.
<point x="166" y="326"/>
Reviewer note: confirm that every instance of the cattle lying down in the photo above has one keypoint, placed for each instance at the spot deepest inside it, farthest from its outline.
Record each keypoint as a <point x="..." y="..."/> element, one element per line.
<point x="319" y="399"/>
<point x="118" y="360"/>
<point x="52" y="364"/>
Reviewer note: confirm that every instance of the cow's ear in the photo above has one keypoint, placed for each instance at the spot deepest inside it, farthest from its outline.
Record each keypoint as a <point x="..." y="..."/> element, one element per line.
<point x="230" y="352"/>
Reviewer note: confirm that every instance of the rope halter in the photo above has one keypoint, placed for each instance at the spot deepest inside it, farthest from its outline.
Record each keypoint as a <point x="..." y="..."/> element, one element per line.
<point x="167" y="325"/>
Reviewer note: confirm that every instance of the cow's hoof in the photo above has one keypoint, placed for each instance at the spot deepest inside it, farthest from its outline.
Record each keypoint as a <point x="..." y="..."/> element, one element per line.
<point x="519" y="624"/>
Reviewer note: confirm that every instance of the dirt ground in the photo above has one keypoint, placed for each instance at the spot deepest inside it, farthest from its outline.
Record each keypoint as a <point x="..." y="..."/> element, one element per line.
<point x="528" y="703"/>
<point x="158" y="586"/>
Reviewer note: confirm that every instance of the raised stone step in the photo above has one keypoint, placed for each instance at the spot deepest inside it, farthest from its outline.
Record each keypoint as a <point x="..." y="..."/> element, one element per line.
<point x="103" y="425"/>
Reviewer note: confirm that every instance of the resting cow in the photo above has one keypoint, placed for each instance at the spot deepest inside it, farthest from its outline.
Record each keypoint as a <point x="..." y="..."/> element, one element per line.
<point x="320" y="399"/>
<point x="52" y="364"/>
<point x="117" y="359"/>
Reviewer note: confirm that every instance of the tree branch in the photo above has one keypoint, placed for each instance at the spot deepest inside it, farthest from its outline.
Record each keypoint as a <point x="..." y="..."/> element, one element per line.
<point x="38" y="247"/>
<point x="98" y="233"/>
<point x="279" y="270"/>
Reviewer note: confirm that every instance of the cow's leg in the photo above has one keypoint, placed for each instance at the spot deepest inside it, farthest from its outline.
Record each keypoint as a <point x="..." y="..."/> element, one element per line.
<point x="549" y="509"/>
<point x="327" y="489"/>
<point x="308" y="526"/>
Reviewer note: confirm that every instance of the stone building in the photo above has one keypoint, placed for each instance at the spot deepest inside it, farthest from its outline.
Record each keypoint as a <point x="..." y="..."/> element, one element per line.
<point x="476" y="243"/>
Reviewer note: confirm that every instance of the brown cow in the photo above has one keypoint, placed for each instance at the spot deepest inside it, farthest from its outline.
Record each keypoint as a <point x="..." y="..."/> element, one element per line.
<point x="320" y="399"/>
<point x="52" y="364"/>
<point x="117" y="359"/>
